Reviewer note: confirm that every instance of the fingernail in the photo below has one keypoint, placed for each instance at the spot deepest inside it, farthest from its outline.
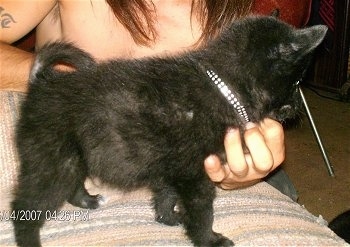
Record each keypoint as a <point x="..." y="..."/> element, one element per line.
<point x="250" y="125"/>
<point x="210" y="160"/>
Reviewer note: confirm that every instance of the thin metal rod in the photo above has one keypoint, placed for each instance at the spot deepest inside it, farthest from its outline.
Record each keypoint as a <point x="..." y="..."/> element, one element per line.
<point x="318" y="138"/>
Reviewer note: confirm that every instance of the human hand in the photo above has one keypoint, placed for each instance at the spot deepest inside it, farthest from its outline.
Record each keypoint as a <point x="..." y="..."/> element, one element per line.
<point x="265" y="151"/>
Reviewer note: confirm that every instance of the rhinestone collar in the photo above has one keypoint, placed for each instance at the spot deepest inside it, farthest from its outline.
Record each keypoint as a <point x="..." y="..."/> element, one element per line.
<point x="227" y="93"/>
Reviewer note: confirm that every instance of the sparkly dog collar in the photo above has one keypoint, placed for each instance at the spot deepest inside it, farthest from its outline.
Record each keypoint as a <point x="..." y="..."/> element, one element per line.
<point x="227" y="93"/>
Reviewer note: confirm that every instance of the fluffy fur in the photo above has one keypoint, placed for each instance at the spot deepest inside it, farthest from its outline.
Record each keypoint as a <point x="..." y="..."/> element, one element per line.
<point x="341" y="225"/>
<point x="150" y="122"/>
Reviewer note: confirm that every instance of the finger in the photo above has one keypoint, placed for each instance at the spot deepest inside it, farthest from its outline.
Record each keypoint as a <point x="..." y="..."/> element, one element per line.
<point x="252" y="173"/>
<point x="259" y="151"/>
<point x="274" y="137"/>
<point x="214" y="169"/>
<point x="234" y="182"/>
<point x="234" y="153"/>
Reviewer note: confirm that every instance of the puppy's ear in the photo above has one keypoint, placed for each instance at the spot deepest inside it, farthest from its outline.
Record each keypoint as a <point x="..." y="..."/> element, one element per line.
<point x="275" y="13"/>
<point x="309" y="38"/>
<point x="304" y="42"/>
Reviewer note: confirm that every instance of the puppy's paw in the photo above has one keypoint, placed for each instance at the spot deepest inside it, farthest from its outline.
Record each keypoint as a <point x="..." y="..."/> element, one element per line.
<point x="215" y="240"/>
<point x="87" y="201"/>
<point x="93" y="201"/>
<point x="171" y="219"/>
<point x="223" y="241"/>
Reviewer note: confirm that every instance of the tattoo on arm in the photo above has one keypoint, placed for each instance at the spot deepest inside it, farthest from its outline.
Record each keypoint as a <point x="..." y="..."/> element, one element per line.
<point x="6" y="18"/>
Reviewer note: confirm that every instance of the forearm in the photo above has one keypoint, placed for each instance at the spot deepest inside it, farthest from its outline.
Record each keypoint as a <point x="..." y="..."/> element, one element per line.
<point x="15" y="65"/>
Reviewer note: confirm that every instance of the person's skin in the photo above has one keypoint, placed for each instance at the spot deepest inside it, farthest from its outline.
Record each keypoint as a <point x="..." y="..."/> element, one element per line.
<point x="265" y="151"/>
<point x="92" y="26"/>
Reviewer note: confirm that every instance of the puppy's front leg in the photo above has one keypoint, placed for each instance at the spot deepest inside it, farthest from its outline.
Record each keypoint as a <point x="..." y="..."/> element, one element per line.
<point x="197" y="199"/>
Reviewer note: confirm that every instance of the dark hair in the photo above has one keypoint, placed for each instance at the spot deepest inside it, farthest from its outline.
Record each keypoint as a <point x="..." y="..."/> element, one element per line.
<point x="137" y="16"/>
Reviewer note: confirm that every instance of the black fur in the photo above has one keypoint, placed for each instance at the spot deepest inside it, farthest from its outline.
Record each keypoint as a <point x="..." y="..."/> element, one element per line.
<point x="150" y="122"/>
<point x="341" y="225"/>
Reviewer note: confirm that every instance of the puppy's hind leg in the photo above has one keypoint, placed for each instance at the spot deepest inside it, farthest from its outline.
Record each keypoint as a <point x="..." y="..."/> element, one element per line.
<point x="40" y="193"/>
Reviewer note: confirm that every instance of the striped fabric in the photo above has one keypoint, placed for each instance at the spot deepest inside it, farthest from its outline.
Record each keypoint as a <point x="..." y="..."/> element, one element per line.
<point x="258" y="215"/>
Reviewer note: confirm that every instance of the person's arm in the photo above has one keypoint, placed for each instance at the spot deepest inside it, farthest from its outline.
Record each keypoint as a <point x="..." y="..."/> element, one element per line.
<point x="17" y="19"/>
<point x="15" y="66"/>
<point x="266" y="151"/>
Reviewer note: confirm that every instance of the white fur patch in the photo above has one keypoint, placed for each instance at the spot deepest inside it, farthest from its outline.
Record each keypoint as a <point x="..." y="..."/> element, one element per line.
<point x="36" y="67"/>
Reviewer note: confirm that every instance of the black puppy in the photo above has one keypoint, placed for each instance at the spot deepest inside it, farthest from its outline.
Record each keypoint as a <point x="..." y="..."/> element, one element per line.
<point x="151" y="122"/>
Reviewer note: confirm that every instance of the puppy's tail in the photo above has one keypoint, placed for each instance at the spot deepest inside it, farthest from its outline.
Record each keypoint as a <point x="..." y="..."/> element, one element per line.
<point x="56" y="58"/>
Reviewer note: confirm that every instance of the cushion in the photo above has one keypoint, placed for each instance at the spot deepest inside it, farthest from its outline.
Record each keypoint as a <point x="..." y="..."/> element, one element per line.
<point x="294" y="12"/>
<point x="258" y="215"/>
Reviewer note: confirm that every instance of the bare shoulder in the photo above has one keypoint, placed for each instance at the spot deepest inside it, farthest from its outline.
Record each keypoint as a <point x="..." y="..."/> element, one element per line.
<point x="19" y="17"/>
